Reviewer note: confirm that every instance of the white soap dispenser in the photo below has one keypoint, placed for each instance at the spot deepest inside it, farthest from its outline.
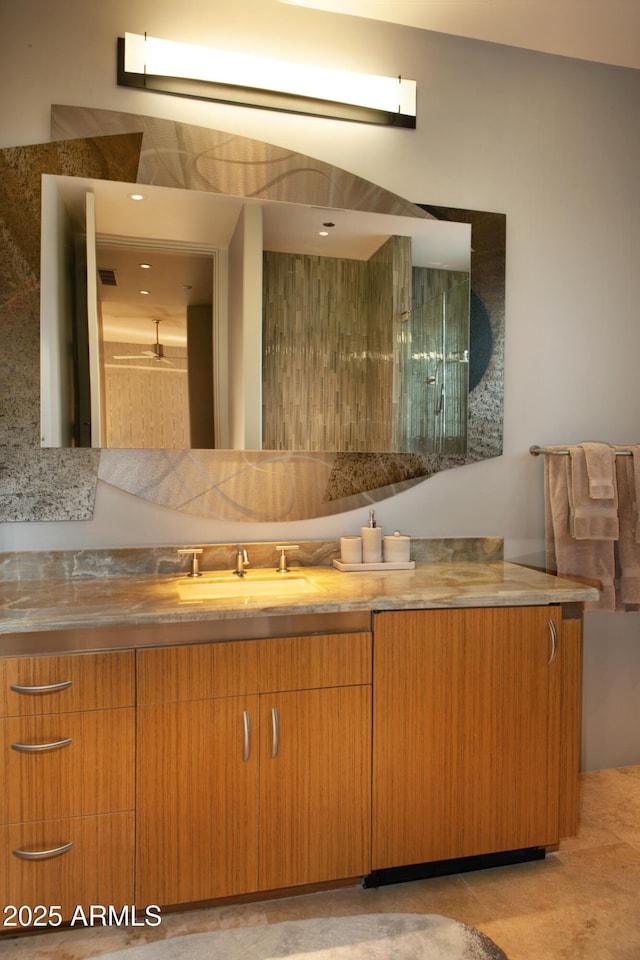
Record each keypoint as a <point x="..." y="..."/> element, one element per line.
<point x="371" y="541"/>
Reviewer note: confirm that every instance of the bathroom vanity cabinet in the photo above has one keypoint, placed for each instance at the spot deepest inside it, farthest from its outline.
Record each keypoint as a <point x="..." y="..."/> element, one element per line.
<point x="216" y="757"/>
<point x="476" y="718"/>
<point x="67" y="742"/>
<point x="254" y="766"/>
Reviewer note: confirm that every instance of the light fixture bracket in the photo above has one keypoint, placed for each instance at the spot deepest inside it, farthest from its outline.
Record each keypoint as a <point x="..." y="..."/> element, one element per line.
<point x="156" y="65"/>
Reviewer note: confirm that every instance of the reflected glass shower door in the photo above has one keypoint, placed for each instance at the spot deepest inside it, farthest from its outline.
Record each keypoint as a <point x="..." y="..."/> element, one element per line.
<point x="434" y="373"/>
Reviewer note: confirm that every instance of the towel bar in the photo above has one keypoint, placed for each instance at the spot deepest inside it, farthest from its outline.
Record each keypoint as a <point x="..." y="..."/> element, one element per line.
<point x="535" y="451"/>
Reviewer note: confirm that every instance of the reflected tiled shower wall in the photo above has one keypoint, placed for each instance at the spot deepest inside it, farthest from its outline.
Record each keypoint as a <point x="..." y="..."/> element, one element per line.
<point x="435" y="363"/>
<point x="329" y="349"/>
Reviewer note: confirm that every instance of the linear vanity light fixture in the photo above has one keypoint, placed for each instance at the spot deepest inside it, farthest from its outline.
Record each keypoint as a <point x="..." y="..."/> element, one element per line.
<point x="205" y="74"/>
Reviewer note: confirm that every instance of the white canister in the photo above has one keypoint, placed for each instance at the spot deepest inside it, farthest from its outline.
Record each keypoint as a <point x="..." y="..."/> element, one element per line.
<point x="371" y="544"/>
<point x="351" y="549"/>
<point x="396" y="548"/>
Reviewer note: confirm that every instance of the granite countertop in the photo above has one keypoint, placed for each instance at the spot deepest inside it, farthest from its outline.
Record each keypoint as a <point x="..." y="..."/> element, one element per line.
<point x="71" y="604"/>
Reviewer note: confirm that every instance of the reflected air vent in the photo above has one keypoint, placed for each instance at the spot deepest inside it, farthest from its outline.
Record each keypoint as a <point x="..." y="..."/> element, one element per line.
<point x="108" y="277"/>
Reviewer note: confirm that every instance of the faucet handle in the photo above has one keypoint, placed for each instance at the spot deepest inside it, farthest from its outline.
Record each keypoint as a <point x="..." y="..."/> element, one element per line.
<point x="282" y="563"/>
<point x="194" y="552"/>
<point x="242" y="560"/>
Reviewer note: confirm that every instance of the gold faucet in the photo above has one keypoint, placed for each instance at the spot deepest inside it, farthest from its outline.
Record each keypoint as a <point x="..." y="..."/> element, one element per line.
<point x="282" y="563"/>
<point x="194" y="552"/>
<point x="242" y="561"/>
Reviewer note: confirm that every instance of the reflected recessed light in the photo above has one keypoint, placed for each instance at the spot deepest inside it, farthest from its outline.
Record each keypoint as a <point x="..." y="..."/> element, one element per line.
<point x="145" y="292"/>
<point x="136" y="196"/>
<point x="323" y="233"/>
<point x="145" y="266"/>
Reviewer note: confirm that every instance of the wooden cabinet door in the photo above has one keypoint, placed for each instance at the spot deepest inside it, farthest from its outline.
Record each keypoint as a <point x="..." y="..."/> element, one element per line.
<point x="197" y="800"/>
<point x="315" y="768"/>
<point x="31" y="686"/>
<point x="79" y="861"/>
<point x="466" y="733"/>
<point x="66" y="765"/>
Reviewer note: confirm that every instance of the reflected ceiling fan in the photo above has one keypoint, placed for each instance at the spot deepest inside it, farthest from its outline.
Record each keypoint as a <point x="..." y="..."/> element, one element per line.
<point x="155" y="353"/>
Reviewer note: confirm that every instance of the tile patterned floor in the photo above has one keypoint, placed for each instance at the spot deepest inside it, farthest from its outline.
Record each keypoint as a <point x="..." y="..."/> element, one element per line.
<point x="582" y="902"/>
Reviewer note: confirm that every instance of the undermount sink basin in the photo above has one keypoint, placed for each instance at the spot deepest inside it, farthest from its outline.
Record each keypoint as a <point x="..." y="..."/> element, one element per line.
<point x="244" y="588"/>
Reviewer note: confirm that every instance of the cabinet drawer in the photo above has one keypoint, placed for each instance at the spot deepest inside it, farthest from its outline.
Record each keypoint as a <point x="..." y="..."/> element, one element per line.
<point x="85" y="767"/>
<point x="238" y="668"/>
<point x="305" y="663"/>
<point x="96" y="869"/>
<point x="31" y="686"/>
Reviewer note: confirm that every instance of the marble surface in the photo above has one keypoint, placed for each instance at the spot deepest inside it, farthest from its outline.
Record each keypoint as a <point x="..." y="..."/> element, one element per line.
<point x="77" y="604"/>
<point x="130" y="561"/>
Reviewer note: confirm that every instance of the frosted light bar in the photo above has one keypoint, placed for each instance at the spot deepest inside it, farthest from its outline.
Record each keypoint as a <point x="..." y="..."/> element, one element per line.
<point x="179" y="68"/>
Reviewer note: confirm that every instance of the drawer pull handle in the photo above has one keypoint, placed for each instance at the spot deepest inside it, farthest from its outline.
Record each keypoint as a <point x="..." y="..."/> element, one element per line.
<point x="246" y="724"/>
<point x="48" y="688"/>
<point x="41" y="747"/>
<point x="42" y="854"/>
<point x="275" y="733"/>
<point x="554" y="641"/>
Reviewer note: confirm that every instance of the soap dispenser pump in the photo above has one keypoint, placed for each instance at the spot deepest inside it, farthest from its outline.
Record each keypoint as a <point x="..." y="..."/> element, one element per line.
<point x="371" y="541"/>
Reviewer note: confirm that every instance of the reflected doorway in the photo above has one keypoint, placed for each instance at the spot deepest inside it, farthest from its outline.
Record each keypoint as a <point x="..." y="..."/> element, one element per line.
<point x="154" y="317"/>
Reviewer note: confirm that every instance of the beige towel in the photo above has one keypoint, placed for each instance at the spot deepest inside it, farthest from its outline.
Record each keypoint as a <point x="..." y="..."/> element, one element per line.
<point x="628" y="546"/>
<point x="592" y="560"/>
<point x="635" y="456"/>
<point x="601" y="470"/>
<point x="590" y="518"/>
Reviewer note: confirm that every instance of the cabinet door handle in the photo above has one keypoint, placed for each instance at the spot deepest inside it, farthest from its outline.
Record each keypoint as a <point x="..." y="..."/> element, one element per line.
<point x="246" y="726"/>
<point x="275" y="733"/>
<point x="48" y="688"/>
<point x="41" y="747"/>
<point x="42" y="854"/>
<point x="554" y="641"/>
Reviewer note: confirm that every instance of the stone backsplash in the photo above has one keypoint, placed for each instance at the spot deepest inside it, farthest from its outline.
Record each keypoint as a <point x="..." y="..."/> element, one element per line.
<point x="142" y="561"/>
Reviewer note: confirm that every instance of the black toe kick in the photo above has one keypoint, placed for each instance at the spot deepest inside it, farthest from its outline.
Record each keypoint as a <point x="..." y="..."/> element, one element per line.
<point x="445" y="868"/>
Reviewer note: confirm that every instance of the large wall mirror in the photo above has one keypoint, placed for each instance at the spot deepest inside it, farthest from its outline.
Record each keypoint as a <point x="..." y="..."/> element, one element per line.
<point x="272" y="428"/>
<point x="354" y="326"/>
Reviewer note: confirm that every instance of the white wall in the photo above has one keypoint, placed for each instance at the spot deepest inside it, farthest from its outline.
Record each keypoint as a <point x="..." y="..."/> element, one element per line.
<point x="553" y="143"/>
